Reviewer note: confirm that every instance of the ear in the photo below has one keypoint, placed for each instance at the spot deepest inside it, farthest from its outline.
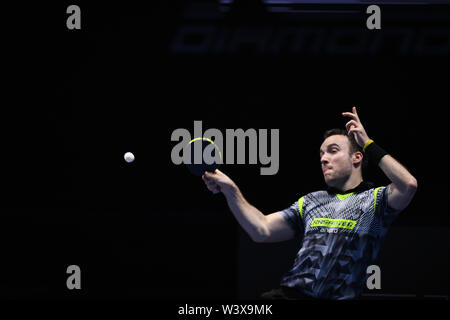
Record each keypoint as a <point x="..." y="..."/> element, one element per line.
<point x="357" y="158"/>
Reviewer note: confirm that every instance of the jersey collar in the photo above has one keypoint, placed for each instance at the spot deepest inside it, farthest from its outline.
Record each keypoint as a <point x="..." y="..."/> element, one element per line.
<point x="363" y="186"/>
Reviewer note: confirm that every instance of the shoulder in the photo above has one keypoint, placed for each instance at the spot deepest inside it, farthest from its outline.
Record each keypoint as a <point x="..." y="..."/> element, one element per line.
<point x="374" y="198"/>
<point x="374" y="194"/>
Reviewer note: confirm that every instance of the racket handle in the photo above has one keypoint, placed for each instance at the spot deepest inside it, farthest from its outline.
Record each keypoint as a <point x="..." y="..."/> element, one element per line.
<point x="216" y="190"/>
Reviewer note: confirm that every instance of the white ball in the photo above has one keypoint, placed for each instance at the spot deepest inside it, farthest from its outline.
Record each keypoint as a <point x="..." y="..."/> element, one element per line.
<point x="129" y="157"/>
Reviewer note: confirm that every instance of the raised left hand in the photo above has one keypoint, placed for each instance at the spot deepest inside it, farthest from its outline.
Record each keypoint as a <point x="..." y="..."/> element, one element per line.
<point x="355" y="128"/>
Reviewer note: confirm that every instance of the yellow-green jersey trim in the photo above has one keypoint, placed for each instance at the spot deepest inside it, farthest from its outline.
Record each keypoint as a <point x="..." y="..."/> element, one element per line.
<point x="344" y="196"/>
<point x="375" y="198"/>
<point x="300" y="206"/>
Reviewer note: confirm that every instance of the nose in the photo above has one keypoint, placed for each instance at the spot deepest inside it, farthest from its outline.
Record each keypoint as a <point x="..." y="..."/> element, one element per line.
<point x="324" y="160"/>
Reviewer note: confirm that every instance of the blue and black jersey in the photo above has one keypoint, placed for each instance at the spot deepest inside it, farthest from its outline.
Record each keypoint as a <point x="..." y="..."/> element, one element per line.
<point x="342" y="234"/>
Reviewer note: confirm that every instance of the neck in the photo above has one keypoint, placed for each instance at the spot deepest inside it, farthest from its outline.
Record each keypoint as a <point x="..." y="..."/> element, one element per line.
<point x="352" y="182"/>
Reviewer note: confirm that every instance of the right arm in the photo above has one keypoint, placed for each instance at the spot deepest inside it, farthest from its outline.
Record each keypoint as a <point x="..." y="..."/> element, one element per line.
<point x="260" y="227"/>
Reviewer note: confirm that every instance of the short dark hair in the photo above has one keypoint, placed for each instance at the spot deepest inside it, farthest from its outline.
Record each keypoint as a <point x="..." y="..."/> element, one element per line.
<point x="354" y="146"/>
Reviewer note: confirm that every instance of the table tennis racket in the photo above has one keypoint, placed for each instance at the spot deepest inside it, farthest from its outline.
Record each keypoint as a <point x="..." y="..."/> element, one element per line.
<point x="202" y="155"/>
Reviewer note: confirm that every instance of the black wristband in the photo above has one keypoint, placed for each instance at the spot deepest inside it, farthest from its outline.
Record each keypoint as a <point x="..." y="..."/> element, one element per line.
<point x="375" y="152"/>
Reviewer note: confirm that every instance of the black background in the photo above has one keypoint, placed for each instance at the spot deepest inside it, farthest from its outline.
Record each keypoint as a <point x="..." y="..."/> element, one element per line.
<point x="76" y="100"/>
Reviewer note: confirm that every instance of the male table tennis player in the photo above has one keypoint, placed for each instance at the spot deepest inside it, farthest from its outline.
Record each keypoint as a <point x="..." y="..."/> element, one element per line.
<point x="342" y="228"/>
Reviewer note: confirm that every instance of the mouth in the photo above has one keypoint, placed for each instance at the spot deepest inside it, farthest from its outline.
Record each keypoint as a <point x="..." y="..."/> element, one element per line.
<point x="325" y="169"/>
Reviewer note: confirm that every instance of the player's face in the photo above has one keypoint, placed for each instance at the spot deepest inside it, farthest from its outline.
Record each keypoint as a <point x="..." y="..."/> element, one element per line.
<point x="335" y="160"/>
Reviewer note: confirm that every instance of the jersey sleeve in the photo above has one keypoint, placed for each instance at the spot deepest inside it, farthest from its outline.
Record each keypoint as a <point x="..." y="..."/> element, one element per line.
<point x="294" y="216"/>
<point x="387" y="213"/>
